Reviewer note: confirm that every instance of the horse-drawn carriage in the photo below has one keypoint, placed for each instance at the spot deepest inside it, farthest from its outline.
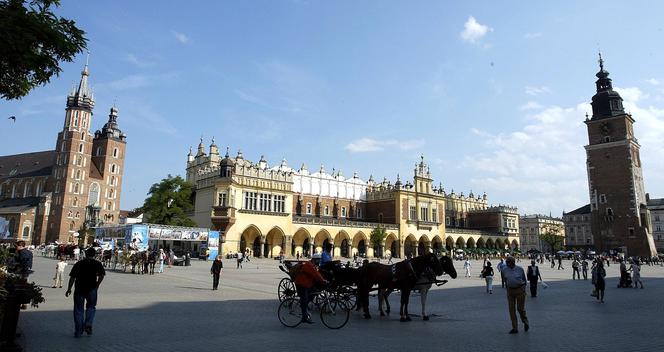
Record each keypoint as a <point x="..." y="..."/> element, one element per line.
<point x="352" y="286"/>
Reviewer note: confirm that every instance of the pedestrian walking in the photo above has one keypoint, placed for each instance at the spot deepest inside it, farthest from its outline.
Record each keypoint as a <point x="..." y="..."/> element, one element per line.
<point x="87" y="274"/>
<point x="553" y="262"/>
<point x="21" y="263"/>
<point x="59" y="272"/>
<point x="515" y="279"/>
<point x="466" y="265"/>
<point x="598" y="280"/>
<point x="584" y="269"/>
<point x="575" y="270"/>
<point x="533" y="276"/>
<point x="239" y="260"/>
<point x="635" y="268"/>
<point x="162" y="258"/>
<point x="560" y="263"/>
<point x="215" y="270"/>
<point x="500" y="268"/>
<point x="487" y="274"/>
<point x="171" y="257"/>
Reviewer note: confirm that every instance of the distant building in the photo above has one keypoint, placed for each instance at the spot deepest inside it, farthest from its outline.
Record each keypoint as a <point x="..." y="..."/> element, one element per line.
<point x="656" y="207"/>
<point x="51" y="195"/>
<point x="619" y="215"/>
<point x="578" y="228"/>
<point x="130" y="217"/>
<point x="532" y="226"/>
<point x="270" y="210"/>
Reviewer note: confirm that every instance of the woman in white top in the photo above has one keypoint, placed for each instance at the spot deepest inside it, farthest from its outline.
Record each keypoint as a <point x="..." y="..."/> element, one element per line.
<point x="635" y="268"/>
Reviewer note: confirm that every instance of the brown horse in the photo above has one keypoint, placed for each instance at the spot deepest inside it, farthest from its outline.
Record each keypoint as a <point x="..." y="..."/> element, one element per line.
<point x="402" y="276"/>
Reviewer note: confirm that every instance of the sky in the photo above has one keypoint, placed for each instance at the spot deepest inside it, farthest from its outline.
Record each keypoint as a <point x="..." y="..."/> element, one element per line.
<point x="493" y="94"/>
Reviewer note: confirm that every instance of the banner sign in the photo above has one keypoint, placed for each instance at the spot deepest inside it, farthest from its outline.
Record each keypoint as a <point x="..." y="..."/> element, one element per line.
<point x="138" y="238"/>
<point x="213" y="244"/>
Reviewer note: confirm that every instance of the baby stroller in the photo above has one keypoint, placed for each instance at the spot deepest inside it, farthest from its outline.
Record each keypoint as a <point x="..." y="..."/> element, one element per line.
<point x="625" y="282"/>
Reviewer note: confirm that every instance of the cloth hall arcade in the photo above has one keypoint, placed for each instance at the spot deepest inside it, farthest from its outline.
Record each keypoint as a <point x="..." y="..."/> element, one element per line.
<point x="278" y="209"/>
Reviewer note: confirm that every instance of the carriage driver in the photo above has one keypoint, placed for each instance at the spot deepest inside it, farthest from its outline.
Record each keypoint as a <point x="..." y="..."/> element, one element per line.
<point x="305" y="279"/>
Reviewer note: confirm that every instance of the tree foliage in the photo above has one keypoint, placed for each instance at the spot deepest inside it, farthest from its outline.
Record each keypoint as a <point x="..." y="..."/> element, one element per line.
<point x="553" y="236"/>
<point x="377" y="237"/>
<point x="33" y="41"/>
<point x="168" y="202"/>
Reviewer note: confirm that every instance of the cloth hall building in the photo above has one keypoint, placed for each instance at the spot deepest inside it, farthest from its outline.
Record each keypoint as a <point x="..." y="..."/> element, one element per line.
<point x="277" y="209"/>
<point x="51" y="195"/>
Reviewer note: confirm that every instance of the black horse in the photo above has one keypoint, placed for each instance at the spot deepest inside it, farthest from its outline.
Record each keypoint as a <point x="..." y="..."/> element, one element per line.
<point x="423" y="285"/>
<point x="402" y="276"/>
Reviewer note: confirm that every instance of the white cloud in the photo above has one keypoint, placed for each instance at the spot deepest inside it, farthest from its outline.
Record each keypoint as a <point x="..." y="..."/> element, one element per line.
<point x="653" y="81"/>
<point x="532" y="35"/>
<point x="136" y="61"/>
<point x="541" y="166"/>
<point x="531" y="105"/>
<point x="136" y="81"/>
<point x="474" y="31"/>
<point x="364" y="145"/>
<point x="181" y="37"/>
<point x="531" y="90"/>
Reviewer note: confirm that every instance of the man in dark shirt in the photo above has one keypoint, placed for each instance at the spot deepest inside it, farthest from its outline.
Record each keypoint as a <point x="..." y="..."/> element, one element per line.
<point x="215" y="270"/>
<point x="87" y="274"/>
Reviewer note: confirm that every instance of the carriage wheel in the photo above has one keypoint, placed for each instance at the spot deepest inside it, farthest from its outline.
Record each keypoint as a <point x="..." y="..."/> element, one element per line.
<point x="334" y="313"/>
<point x="289" y="312"/>
<point x="286" y="289"/>
<point x="348" y="295"/>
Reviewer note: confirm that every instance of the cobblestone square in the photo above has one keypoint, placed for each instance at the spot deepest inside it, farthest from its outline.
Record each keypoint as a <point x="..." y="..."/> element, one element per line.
<point x="178" y="311"/>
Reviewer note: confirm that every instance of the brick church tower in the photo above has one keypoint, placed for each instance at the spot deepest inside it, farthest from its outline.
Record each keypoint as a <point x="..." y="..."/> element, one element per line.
<point x="620" y="219"/>
<point x="86" y="177"/>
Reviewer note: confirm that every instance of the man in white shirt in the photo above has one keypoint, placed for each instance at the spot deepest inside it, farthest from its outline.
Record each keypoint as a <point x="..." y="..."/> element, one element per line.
<point x="59" y="272"/>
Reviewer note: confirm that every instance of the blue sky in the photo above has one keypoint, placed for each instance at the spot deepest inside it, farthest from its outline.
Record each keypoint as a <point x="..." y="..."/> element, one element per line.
<point x="493" y="94"/>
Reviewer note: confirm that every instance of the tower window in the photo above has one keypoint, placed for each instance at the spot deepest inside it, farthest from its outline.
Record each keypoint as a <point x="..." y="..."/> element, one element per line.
<point x="115" y="152"/>
<point x="309" y="208"/>
<point x="607" y="139"/>
<point x="326" y="211"/>
<point x="602" y="198"/>
<point x="609" y="211"/>
<point x="343" y="212"/>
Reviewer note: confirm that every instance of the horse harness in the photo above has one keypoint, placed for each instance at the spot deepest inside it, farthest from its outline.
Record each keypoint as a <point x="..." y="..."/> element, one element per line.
<point x="393" y="270"/>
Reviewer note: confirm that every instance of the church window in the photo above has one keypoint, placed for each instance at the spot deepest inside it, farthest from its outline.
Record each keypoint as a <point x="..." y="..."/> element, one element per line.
<point x="78" y="215"/>
<point x="602" y="198"/>
<point x="76" y="188"/>
<point x="76" y="120"/>
<point x="80" y="148"/>
<point x="93" y="194"/>
<point x="71" y="225"/>
<point x="78" y="174"/>
<point x="115" y="152"/>
<point x="309" y="208"/>
<point x="75" y="202"/>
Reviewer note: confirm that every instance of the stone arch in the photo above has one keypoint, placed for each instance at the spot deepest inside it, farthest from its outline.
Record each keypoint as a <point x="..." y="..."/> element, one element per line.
<point x="275" y="240"/>
<point x="392" y="245"/>
<point x="323" y="238"/>
<point x="342" y="245"/>
<point x="480" y="243"/>
<point x="249" y="238"/>
<point x="515" y="244"/>
<point x="470" y="243"/>
<point x="460" y="243"/>
<point x="360" y="243"/>
<point x="301" y="243"/>
<point x="437" y="245"/>
<point x="449" y="243"/>
<point x="410" y="246"/>
<point x="423" y="245"/>
<point x="490" y="244"/>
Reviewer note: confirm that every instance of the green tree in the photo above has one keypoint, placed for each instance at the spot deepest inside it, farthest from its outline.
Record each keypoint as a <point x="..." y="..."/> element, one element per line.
<point x="168" y="202"/>
<point x="33" y="41"/>
<point x="553" y="237"/>
<point x="376" y="238"/>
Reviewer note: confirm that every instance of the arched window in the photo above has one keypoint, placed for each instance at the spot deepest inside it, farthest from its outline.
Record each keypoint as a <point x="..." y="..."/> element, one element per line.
<point x="13" y="191"/>
<point x="109" y="206"/>
<point x="71" y="225"/>
<point x="38" y="189"/>
<point x="80" y="146"/>
<point x="76" y="120"/>
<point x="93" y="194"/>
<point x="69" y="214"/>
<point x="76" y="187"/>
<point x="79" y="160"/>
<point x="78" y="174"/>
<point x="115" y="152"/>
<point x="75" y="202"/>
<point x="26" y="232"/>
<point x="112" y="180"/>
<point x="114" y="168"/>
<point x="26" y="190"/>
<point x="98" y="151"/>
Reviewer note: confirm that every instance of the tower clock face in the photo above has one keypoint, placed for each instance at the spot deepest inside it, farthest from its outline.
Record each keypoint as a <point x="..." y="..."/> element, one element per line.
<point x="605" y="128"/>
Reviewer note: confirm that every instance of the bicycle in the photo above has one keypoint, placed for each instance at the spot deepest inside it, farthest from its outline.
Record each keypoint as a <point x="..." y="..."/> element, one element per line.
<point x="334" y="312"/>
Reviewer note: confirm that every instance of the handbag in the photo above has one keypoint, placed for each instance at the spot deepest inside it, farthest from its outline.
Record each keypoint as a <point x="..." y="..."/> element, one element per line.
<point x="544" y="285"/>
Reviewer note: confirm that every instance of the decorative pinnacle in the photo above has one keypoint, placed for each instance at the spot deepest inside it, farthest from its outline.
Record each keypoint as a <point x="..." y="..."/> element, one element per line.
<point x="601" y="61"/>
<point x="227" y="151"/>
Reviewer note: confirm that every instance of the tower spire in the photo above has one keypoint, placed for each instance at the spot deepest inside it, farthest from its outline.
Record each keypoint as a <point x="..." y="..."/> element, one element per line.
<point x="601" y="61"/>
